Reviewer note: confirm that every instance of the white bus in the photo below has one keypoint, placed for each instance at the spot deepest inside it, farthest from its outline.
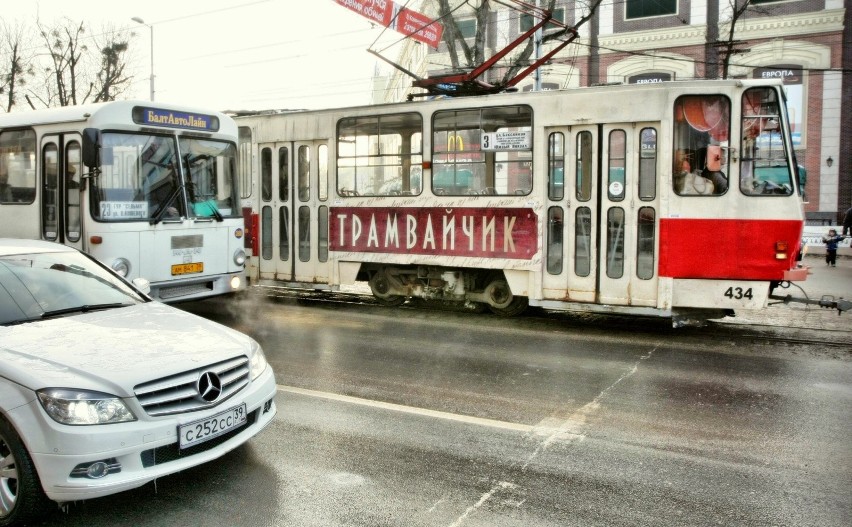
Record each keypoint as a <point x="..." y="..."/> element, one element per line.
<point x="150" y="190"/>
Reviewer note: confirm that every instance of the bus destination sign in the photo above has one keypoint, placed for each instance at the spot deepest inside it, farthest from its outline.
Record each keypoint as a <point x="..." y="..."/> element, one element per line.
<point x="175" y="119"/>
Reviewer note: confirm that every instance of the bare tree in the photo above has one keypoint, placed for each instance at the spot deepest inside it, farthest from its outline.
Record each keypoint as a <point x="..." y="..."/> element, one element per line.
<point x="730" y="47"/>
<point x="15" y="63"/>
<point x="111" y="79"/>
<point x="65" y="49"/>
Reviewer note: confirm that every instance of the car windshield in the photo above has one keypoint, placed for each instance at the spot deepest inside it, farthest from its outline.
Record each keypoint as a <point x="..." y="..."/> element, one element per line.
<point x="35" y="286"/>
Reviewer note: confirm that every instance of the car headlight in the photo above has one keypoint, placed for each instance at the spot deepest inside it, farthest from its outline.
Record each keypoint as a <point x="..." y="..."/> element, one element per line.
<point x="78" y="407"/>
<point x="258" y="360"/>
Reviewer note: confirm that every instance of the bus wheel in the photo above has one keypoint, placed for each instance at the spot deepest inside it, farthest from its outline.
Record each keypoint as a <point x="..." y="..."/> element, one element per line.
<point x="502" y="301"/>
<point x="381" y="288"/>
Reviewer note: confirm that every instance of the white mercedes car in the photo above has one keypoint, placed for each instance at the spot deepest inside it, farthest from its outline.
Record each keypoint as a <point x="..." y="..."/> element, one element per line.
<point x="103" y="390"/>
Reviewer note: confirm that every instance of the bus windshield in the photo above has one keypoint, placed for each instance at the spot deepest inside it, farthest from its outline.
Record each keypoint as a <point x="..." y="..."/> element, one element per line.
<point x="152" y="177"/>
<point x="210" y="169"/>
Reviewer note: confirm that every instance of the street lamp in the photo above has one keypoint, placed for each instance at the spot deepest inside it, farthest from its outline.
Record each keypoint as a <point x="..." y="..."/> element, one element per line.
<point x="140" y="21"/>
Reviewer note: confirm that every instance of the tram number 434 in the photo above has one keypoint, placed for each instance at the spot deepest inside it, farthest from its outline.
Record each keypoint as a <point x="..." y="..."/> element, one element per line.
<point x="738" y="293"/>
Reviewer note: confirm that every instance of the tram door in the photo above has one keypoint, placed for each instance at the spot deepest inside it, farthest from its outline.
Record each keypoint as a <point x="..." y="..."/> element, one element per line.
<point x="604" y="216"/>
<point x="61" y="183"/>
<point x="294" y="212"/>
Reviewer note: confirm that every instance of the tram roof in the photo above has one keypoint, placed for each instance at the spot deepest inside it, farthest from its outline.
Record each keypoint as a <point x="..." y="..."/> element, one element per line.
<point x="687" y="85"/>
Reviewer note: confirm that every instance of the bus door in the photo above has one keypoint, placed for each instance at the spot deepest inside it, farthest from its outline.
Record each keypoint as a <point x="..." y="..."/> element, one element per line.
<point x="294" y="212"/>
<point x="62" y="189"/>
<point x="628" y="215"/>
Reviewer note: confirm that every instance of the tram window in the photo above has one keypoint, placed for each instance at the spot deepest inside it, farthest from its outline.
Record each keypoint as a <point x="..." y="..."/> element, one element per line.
<point x="584" y="166"/>
<point x="555" y="228"/>
<point x="583" y="241"/>
<point x="266" y="233"/>
<point x="266" y="174"/>
<point x="380" y="155"/>
<point x="646" y="234"/>
<point x="244" y="145"/>
<point x="556" y="166"/>
<point x="322" y="172"/>
<point x="701" y="132"/>
<point x="648" y="164"/>
<point x="764" y="170"/>
<point x="49" y="191"/>
<point x="283" y="174"/>
<point x="283" y="233"/>
<point x="617" y="149"/>
<point x="615" y="243"/>
<point x="303" y="170"/>
<point x="482" y="151"/>
<point x="73" y="172"/>
<point x="17" y="166"/>
<point x="304" y="233"/>
<point x="322" y="234"/>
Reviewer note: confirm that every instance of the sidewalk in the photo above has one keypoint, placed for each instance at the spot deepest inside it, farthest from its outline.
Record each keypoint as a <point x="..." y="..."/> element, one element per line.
<point x="822" y="280"/>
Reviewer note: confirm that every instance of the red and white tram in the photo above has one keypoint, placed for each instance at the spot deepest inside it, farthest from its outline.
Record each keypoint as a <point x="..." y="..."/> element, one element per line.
<point x="674" y="199"/>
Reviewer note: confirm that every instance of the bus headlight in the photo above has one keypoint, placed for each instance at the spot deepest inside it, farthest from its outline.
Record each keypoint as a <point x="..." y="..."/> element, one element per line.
<point x="121" y="266"/>
<point x="240" y="257"/>
<point x="235" y="283"/>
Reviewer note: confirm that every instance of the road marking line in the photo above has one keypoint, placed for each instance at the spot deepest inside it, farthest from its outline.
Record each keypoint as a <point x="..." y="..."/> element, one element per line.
<point x="492" y="423"/>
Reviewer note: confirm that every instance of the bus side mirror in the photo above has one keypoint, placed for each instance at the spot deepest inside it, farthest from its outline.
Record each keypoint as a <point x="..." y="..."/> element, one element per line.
<point x="91" y="146"/>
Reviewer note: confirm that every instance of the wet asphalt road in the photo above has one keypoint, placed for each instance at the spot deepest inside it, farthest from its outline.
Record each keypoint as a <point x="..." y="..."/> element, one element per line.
<point x="422" y="417"/>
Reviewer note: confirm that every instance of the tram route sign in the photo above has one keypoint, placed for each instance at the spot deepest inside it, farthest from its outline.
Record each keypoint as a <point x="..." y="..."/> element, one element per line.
<point x="503" y="141"/>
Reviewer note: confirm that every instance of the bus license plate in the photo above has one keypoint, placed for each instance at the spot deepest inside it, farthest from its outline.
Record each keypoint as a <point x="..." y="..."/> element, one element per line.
<point x="187" y="268"/>
<point x="200" y="431"/>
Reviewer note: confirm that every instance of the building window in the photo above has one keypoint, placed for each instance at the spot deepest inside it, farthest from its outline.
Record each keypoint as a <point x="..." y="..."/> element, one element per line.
<point x="649" y="8"/>
<point x="467" y="28"/>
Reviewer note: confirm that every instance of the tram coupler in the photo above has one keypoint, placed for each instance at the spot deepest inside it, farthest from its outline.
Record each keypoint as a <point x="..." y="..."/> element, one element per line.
<point x="826" y="301"/>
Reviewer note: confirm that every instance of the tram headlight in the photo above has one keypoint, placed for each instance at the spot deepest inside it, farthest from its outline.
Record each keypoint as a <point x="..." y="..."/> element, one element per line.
<point x="121" y="266"/>
<point x="240" y="257"/>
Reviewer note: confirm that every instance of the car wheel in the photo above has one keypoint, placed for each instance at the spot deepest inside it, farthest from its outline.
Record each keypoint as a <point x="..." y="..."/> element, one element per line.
<point x="21" y="496"/>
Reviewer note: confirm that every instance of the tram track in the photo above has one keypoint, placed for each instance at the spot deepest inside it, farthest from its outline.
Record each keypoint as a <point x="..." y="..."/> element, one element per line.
<point x="792" y="330"/>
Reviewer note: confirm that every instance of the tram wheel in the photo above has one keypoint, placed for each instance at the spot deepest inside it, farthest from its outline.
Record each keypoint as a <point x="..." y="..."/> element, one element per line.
<point x="503" y="302"/>
<point x="381" y="287"/>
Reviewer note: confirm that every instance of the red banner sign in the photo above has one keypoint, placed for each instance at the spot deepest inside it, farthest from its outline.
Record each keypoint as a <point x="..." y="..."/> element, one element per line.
<point x="475" y="232"/>
<point x="390" y="14"/>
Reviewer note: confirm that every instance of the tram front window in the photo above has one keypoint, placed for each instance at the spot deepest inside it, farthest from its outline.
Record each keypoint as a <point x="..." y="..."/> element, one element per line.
<point x="764" y="169"/>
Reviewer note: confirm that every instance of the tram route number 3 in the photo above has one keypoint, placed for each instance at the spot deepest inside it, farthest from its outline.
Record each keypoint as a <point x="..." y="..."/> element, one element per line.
<point x="738" y="293"/>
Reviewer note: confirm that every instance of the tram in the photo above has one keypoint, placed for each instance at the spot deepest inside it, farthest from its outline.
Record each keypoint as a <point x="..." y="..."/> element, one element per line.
<point x="149" y="190"/>
<point x="676" y="199"/>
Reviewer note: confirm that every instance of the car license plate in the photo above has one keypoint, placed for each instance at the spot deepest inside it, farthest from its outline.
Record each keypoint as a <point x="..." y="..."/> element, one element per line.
<point x="187" y="268"/>
<point x="200" y="431"/>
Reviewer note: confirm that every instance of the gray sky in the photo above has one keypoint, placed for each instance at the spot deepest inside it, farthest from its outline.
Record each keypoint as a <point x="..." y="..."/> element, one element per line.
<point x="234" y="54"/>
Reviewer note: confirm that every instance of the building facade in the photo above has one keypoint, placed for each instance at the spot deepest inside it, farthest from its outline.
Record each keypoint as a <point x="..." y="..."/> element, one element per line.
<point x="805" y="43"/>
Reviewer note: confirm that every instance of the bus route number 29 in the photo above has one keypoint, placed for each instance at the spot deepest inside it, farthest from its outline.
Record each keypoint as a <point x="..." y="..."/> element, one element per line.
<point x="738" y="293"/>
